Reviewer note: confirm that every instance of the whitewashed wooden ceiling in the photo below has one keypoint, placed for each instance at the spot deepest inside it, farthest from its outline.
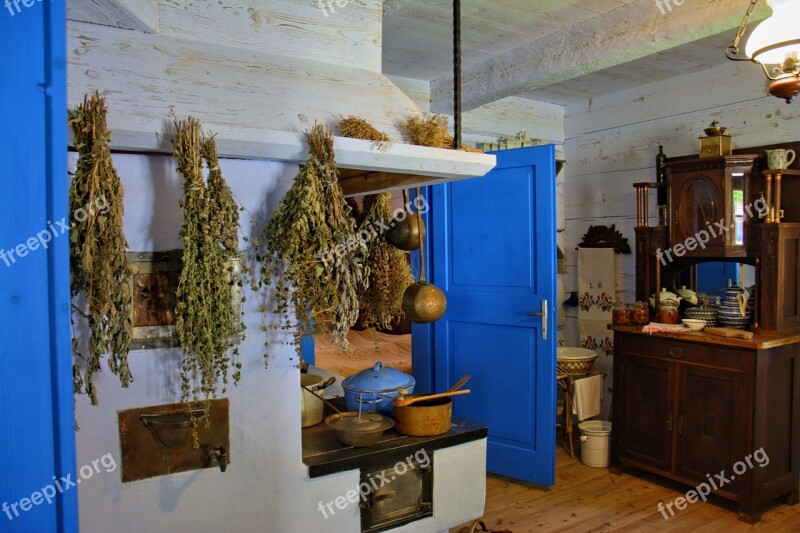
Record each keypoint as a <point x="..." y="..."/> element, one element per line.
<point x="559" y="51"/>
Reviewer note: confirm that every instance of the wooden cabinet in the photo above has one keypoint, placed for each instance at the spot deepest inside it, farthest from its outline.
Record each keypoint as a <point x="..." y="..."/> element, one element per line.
<point x="777" y="249"/>
<point x="719" y="201"/>
<point x="708" y="201"/>
<point x="689" y="407"/>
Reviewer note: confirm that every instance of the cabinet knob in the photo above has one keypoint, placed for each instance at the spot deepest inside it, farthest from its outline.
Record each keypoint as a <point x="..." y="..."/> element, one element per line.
<point x="669" y="422"/>
<point x="680" y="424"/>
<point x="676" y="352"/>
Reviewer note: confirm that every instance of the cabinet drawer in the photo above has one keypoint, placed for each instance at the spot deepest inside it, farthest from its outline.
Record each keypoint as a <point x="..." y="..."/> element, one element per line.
<point x="687" y="352"/>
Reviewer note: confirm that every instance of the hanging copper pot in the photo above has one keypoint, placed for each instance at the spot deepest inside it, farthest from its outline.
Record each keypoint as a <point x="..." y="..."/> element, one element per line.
<point x="423" y="302"/>
<point x="408" y="233"/>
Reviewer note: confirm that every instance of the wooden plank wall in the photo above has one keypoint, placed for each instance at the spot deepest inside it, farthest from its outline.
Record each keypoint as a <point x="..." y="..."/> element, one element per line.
<point x="611" y="142"/>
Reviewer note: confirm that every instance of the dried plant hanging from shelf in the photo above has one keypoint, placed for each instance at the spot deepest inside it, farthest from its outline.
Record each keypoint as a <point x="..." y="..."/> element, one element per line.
<point x="432" y="131"/>
<point x="314" y="258"/>
<point x="389" y="270"/>
<point x="358" y="128"/>
<point x="99" y="267"/>
<point x="207" y="323"/>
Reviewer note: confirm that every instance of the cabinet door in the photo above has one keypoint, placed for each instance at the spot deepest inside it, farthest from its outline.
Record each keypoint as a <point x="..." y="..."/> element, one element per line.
<point x="697" y="202"/>
<point x="710" y="424"/>
<point x="647" y="414"/>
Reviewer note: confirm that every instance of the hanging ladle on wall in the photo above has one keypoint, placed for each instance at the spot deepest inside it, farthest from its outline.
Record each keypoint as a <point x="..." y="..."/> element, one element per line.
<point x="423" y="302"/>
<point x="406" y="234"/>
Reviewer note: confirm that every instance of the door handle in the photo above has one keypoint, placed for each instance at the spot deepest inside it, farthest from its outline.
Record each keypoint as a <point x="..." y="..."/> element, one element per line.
<point x="543" y="314"/>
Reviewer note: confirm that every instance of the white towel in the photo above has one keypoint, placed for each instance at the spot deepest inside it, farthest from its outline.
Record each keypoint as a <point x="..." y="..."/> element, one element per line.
<point x="586" y="395"/>
<point x="597" y="287"/>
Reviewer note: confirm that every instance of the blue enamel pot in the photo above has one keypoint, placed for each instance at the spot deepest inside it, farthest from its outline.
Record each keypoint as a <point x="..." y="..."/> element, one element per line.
<point x="376" y="388"/>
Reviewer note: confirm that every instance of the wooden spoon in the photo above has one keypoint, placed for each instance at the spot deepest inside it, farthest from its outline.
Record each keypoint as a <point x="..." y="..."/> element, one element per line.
<point x="402" y="401"/>
<point x="458" y="384"/>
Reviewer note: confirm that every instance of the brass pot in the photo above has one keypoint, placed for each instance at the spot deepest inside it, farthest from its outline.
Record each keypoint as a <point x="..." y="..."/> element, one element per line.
<point x="423" y="302"/>
<point x="406" y="234"/>
<point x="425" y="418"/>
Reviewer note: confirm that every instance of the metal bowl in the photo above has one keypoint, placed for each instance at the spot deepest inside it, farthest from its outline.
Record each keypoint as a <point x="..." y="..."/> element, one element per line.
<point x="714" y="131"/>
<point x="360" y="431"/>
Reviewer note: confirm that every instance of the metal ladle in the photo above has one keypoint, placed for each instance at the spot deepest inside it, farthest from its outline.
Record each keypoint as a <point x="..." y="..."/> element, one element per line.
<point x="423" y="302"/>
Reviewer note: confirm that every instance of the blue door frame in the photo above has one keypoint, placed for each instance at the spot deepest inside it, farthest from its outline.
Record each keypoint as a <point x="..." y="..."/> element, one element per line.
<point x="36" y="404"/>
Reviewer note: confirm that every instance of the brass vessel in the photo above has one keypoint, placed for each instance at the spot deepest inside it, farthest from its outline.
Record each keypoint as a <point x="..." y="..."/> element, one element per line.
<point x="407" y="233"/>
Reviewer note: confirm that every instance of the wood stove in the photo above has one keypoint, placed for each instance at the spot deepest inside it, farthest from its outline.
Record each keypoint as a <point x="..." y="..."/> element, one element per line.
<point x="396" y="493"/>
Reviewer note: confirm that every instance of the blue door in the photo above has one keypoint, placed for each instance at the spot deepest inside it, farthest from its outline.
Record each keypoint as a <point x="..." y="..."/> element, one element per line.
<point x="37" y="440"/>
<point x="494" y="256"/>
<point x="714" y="275"/>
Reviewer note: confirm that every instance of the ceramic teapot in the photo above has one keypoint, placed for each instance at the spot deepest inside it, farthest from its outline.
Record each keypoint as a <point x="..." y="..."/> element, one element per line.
<point x="664" y="295"/>
<point x="734" y="311"/>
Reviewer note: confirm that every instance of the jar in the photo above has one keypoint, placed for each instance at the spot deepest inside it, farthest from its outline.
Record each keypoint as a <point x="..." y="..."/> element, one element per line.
<point x="640" y="314"/>
<point x="668" y="312"/>
<point x="621" y="314"/>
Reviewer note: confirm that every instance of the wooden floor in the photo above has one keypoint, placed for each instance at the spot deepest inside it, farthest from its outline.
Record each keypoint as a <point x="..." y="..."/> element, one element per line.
<point x="587" y="499"/>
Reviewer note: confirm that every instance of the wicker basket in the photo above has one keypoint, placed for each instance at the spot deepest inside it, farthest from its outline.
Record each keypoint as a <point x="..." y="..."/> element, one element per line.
<point x="575" y="366"/>
<point x="473" y="528"/>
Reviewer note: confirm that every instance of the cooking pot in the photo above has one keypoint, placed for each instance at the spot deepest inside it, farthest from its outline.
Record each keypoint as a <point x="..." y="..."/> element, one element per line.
<point x="426" y="415"/>
<point x="406" y="234"/>
<point x="311" y="408"/>
<point x="424" y="418"/>
<point x="374" y="389"/>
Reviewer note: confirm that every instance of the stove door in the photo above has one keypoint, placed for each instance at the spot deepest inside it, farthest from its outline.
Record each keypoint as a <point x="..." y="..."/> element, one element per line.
<point x="399" y="493"/>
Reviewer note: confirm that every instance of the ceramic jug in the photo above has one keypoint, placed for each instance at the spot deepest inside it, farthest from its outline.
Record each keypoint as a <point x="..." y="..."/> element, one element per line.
<point x="780" y="158"/>
<point x="734" y="311"/>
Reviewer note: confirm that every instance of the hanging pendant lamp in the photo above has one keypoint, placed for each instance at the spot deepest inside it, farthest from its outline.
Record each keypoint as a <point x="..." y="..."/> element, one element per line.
<point x="775" y="45"/>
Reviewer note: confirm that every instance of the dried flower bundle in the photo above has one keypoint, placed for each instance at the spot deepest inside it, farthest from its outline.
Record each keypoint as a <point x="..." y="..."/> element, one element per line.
<point x="99" y="267"/>
<point x="206" y="321"/>
<point x="432" y="131"/>
<point x="358" y="128"/>
<point x="314" y="259"/>
<point x="389" y="271"/>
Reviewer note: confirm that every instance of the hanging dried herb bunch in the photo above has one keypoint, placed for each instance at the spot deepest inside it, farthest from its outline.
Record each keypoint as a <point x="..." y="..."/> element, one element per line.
<point x="206" y="320"/>
<point x="99" y="267"/>
<point x="389" y="271"/>
<point x="358" y="128"/>
<point x="432" y="131"/>
<point x="314" y="258"/>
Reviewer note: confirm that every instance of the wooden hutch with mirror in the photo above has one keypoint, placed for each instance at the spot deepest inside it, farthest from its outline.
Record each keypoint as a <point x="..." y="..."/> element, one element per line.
<point x="689" y="405"/>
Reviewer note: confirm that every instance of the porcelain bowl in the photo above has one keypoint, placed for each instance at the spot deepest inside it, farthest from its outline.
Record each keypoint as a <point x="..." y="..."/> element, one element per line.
<point x="694" y="324"/>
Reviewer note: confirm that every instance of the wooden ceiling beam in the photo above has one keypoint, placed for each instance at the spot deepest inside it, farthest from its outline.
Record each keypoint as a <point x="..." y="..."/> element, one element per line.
<point x="137" y="15"/>
<point x="634" y="31"/>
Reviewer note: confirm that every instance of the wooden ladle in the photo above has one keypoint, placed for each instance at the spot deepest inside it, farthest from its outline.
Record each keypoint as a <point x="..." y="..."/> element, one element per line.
<point x="460" y="383"/>
<point x="402" y="401"/>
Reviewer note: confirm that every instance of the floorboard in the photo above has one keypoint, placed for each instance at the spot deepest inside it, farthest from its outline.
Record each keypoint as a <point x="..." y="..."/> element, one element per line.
<point x="587" y="499"/>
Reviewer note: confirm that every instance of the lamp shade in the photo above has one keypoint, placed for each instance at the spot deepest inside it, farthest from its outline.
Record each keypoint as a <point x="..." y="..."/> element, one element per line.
<point x="782" y="27"/>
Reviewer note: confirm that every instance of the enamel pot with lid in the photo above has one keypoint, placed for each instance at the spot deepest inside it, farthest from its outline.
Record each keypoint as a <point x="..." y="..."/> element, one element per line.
<point x="376" y="388"/>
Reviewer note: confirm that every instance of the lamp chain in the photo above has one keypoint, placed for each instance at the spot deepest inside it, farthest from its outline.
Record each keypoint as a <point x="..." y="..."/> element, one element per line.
<point x="743" y="26"/>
